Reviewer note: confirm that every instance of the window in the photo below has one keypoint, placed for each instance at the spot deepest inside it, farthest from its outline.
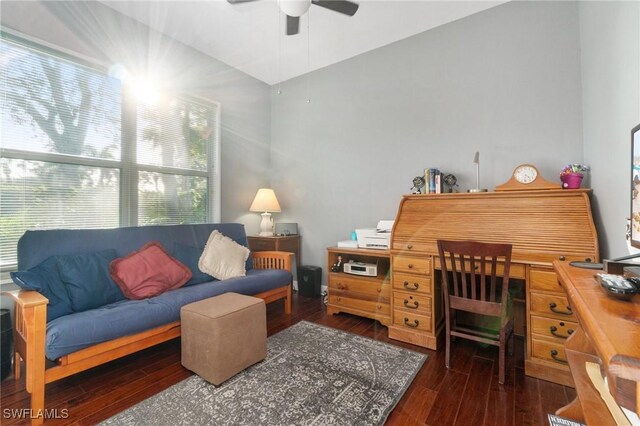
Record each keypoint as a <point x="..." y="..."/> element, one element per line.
<point x="70" y="158"/>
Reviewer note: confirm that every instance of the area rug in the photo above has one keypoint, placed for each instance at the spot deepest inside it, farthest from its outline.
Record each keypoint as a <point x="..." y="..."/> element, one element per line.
<point x="313" y="375"/>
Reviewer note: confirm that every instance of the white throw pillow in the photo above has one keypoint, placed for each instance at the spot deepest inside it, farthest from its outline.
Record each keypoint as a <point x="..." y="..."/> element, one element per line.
<point x="223" y="258"/>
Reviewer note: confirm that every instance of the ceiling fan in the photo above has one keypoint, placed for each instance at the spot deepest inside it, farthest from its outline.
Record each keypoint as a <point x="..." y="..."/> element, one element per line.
<point x="294" y="9"/>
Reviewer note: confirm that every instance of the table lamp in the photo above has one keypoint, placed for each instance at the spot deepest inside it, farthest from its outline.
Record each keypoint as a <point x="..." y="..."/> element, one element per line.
<point x="265" y="201"/>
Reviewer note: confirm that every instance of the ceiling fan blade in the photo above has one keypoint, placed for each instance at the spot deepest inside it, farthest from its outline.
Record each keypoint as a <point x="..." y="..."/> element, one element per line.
<point x="239" y="1"/>
<point x="293" y="24"/>
<point x="341" y="6"/>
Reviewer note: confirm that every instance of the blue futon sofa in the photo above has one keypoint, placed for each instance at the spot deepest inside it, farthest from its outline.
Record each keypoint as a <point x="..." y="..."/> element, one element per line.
<point x="81" y="340"/>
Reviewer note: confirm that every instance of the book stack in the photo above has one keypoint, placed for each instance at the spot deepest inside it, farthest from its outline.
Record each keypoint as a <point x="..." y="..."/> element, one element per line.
<point x="433" y="181"/>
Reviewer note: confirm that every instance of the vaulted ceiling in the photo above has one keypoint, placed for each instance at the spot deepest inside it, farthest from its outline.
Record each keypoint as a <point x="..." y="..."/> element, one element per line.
<point x="250" y="36"/>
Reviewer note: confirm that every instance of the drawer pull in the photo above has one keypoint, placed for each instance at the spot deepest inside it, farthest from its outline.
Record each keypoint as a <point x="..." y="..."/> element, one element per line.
<point x="408" y="324"/>
<point x="409" y="246"/>
<point x="553" y="329"/>
<point x="341" y="286"/>
<point x="406" y="285"/>
<point x="562" y="258"/>
<point x="553" y="307"/>
<point x="554" y="355"/>
<point x="410" y="266"/>
<point x="414" y="306"/>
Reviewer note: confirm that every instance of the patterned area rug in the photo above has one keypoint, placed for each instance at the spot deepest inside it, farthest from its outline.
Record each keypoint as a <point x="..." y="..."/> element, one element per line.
<point x="313" y="375"/>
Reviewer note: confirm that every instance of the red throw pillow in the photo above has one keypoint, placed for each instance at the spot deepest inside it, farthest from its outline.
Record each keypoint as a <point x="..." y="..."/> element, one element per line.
<point x="148" y="272"/>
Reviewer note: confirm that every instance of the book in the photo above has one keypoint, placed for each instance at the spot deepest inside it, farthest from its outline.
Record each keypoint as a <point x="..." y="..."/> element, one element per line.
<point x="432" y="181"/>
<point x="426" y="181"/>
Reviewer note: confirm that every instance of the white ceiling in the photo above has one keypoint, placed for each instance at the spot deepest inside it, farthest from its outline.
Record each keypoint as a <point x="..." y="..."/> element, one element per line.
<point x="250" y="36"/>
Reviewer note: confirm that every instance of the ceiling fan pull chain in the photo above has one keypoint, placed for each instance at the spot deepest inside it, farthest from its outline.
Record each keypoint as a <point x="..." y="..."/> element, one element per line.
<point x="279" y="49"/>
<point x="308" y="53"/>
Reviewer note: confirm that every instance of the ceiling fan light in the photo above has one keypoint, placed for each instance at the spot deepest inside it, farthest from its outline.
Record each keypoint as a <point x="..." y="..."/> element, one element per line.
<point x="294" y="7"/>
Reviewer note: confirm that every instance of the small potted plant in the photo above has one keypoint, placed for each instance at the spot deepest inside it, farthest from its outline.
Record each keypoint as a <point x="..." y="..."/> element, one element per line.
<point x="571" y="175"/>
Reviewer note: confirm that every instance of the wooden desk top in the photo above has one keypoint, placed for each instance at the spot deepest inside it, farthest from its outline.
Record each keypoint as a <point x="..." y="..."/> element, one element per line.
<point x="611" y="325"/>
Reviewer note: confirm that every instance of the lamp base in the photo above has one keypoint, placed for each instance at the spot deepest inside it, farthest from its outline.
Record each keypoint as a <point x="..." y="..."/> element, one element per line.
<point x="266" y="225"/>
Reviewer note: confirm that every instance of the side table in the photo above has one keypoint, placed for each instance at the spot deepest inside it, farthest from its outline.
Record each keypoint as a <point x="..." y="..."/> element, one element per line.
<point x="290" y="243"/>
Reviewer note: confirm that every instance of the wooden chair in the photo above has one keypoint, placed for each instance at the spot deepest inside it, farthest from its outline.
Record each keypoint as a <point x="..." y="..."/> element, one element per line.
<point x="470" y="272"/>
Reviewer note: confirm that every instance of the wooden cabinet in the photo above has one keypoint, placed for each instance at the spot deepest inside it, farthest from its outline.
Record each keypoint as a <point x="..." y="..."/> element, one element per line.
<point x="289" y="243"/>
<point x="366" y="296"/>
<point x="542" y="226"/>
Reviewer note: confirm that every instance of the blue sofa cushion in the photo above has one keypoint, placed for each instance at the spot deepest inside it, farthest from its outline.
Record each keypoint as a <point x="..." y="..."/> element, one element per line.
<point x="44" y="279"/>
<point x="190" y="257"/>
<point x="83" y="329"/>
<point x="36" y="246"/>
<point x="86" y="277"/>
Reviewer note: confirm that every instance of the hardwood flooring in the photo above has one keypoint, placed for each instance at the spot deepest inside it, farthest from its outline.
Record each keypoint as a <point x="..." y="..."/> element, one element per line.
<point x="467" y="394"/>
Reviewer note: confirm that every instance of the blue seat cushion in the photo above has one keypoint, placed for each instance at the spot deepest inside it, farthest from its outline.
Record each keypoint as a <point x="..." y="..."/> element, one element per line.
<point x="71" y="333"/>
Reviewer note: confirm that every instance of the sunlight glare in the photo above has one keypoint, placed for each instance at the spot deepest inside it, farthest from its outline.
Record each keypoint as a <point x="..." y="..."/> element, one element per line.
<point x="145" y="91"/>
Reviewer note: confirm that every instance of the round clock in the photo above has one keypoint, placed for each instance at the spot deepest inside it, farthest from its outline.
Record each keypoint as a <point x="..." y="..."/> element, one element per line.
<point x="526" y="177"/>
<point x="525" y="174"/>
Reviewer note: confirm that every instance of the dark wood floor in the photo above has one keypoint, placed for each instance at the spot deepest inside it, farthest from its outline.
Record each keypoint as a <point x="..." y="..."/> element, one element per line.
<point x="467" y="394"/>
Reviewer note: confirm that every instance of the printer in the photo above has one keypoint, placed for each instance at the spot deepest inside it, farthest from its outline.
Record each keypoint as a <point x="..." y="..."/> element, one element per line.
<point x="375" y="238"/>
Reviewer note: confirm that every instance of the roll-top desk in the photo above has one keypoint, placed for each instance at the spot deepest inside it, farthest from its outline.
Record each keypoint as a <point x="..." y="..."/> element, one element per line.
<point x="542" y="226"/>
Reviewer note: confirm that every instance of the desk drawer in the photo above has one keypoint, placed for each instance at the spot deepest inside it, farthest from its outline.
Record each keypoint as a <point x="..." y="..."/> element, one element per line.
<point x="369" y="287"/>
<point x="362" y="305"/>
<point x="549" y="350"/>
<point x="551" y="305"/>
<point x="545" y="280"/>
<point x="414" y="265"/>
<point x="259" y="244"/>
<point x="553" y="328"/>
<point x="412" y="282"/>
<point x="412" y="303"/>
<point x="411" y="321"/>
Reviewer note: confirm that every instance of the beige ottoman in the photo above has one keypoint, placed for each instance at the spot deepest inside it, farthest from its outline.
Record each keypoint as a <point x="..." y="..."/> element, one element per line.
<point x="223" y="335"/>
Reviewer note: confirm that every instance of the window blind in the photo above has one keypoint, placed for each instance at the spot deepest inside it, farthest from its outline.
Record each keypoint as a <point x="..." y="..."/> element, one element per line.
<point x="60" y="138"/>
<point x="71" y="159"/>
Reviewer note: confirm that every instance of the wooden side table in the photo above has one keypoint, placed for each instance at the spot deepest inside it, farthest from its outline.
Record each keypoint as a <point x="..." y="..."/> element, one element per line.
<point x="290" y="243"/>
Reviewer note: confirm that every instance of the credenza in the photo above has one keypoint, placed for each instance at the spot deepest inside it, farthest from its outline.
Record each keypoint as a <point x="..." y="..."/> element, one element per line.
<point x="609" y="337"/>
<point x="542" y="226"/>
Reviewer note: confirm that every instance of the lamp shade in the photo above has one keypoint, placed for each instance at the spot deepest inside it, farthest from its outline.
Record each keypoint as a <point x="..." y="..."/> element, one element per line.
<point x="265" y="201"/>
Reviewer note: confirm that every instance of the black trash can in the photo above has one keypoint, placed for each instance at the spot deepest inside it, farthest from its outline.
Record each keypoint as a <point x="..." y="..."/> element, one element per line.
<point x="6" y="343"/>
<point x="309" y="280"/>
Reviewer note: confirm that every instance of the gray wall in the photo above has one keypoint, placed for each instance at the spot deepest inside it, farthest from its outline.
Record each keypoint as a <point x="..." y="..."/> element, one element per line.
<point x="505" y="82"/>
<point x="98" y="32"/>
<point x="610" y="44"/>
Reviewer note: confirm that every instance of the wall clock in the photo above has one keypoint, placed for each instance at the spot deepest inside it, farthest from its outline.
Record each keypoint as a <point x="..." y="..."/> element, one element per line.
<point x="526" y="177"/>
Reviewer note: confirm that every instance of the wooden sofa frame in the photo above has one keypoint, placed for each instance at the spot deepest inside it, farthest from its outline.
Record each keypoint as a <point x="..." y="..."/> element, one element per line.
<point x="31" y="326"/>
